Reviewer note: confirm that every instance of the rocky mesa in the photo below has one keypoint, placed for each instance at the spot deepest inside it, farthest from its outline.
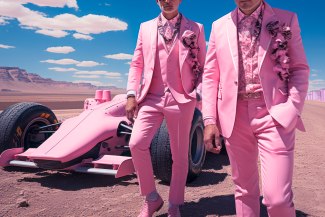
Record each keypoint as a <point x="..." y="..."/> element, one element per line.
<point x="15" y="79"/>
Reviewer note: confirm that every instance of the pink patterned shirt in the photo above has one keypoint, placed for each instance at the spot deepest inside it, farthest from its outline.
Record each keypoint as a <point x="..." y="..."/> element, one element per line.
<point x="249" y="81"/>
<point x="171" y="23"/>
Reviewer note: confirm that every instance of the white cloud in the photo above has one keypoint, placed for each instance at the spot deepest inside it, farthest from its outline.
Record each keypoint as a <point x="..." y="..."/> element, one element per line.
<point x="58" y="69"/>
<point x="58" y="26"/>
<point x="316" y="84"/>
<point x="49" y="3"/>
<point x="95" y="24"/>
<point x="62" y="62"/>
<point x="3" y="20"/>
<point x="127" y="74"/>
<point x="314" y="73"/>
<point x="6" y="46"/>
<point x="112" y="77"/>
<point x="82" y="36"/>
<point x="53" y="33"/>
<point x="104" y="73"/>
<point x="61" y="49"/>
<point x="119" y="56"/>
<point x="96" y="83"/>
<point x="89" y="64"/>
<point x="27" y="27"/>
<point x="73" y="62"/>
<point x="86" y="76"/>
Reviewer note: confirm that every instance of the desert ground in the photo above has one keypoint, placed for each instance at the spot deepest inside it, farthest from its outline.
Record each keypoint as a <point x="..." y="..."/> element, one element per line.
<point x="59" y="100"/>
<point x="59" y="193"/>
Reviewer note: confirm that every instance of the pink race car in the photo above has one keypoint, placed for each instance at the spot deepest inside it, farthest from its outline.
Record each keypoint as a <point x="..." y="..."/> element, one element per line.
<point x="96" y="141"/>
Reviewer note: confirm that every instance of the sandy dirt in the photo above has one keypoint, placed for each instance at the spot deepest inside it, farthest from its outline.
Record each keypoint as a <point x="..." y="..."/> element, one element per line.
<point x="53" y="193"/>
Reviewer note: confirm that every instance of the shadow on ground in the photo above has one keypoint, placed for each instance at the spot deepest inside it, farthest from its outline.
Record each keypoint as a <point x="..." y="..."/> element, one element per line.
<point x="221" y="205"/>
<point x="70" y="181"/>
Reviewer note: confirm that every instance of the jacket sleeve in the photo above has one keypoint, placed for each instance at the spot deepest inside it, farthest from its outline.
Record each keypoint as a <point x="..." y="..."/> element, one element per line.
<point x="136" y="66"/>
<point x="299" y="69"/>
<point x="288" y="113"/>
<point x="210" y="80"/>
<point x="201" y="55"/>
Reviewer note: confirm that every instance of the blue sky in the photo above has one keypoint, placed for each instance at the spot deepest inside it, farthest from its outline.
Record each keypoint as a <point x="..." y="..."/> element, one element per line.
<point x="93" y="40"/>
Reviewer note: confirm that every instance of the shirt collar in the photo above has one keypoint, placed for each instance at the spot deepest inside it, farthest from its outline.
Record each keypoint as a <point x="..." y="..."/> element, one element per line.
<point x="171" y="21"/>
<point x="255" y="14"/>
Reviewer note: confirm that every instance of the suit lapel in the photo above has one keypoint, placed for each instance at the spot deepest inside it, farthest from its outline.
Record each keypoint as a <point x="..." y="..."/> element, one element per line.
<point x="183" y="51"/>
<point x="265" y="37"/>
<point x="153" y="42"/>
<point x="232" y="37"/>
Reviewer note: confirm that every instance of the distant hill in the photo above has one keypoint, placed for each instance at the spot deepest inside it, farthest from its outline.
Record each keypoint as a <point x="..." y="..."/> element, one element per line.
<point x="14" y="79"/>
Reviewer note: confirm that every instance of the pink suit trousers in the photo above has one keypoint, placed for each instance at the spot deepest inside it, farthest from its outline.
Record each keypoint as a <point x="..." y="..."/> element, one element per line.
<point x="152" y="110"/>
<point x="255" y="134"/>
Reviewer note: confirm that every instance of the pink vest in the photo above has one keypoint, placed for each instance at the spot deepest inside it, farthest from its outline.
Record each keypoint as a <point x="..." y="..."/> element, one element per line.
<point x="166" y="73"/>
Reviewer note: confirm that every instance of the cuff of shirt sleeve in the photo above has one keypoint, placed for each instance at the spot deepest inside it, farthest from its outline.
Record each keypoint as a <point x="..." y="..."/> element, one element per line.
<point x="209" y="121"/>
<point x="130" y="93"/>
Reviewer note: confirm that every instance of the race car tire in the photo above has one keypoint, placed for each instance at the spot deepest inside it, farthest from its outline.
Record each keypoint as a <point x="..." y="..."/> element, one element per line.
<point x="197" y="149"/>
<point x="161" y="154"/>
<point x="19" y="125"/>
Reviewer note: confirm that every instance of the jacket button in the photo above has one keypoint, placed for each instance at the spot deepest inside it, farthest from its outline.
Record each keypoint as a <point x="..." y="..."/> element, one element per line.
<point x="236" y="83"/>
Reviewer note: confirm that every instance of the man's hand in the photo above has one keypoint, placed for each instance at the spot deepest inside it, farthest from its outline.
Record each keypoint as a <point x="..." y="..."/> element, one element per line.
<point x="131" y="108"/>
<point x="212" y="139"/>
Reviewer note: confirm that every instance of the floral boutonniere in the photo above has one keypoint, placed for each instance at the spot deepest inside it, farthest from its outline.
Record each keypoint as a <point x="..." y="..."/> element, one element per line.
<point x="189" y="41"/>
<point x="281" y="34"/>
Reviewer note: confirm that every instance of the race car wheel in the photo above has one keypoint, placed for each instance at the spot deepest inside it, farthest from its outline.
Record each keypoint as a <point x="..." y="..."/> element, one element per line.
<point x="161" y="154"/>
<point x="197" y="148"/>
<point x="20" y="125"/>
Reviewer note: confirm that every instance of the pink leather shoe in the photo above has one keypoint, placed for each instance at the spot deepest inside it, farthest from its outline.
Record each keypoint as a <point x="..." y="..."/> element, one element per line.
<point x="150" y="207"/>
<point x="174" y="211"/>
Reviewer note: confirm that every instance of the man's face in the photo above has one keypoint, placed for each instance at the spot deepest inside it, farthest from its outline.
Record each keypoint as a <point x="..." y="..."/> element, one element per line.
<point x="248" y="6"/>
<point x="169" y="6"/>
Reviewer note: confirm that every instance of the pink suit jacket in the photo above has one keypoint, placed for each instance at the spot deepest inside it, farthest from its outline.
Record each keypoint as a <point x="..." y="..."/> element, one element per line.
<point x="143" y="62"/>
<point x="284" y="99"/>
